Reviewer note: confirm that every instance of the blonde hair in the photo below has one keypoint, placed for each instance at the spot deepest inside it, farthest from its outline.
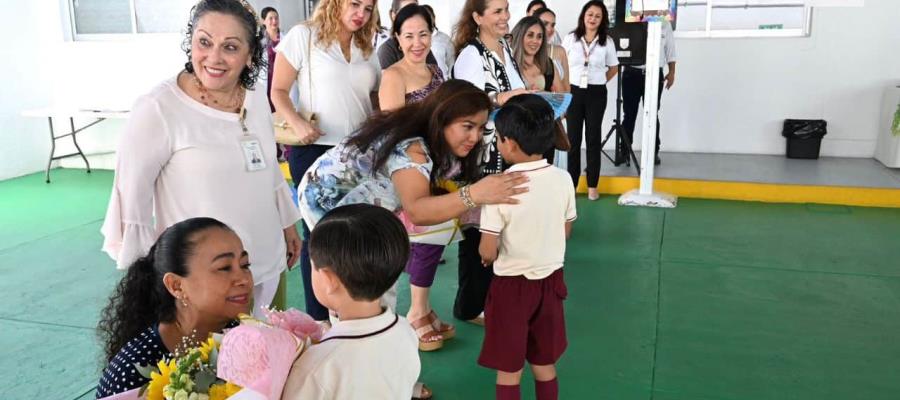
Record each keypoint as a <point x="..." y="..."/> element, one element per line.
<point x="327" y="18"/>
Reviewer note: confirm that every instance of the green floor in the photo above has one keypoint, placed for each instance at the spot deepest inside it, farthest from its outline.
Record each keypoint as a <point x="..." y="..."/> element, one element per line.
<point x="711" y="300"/>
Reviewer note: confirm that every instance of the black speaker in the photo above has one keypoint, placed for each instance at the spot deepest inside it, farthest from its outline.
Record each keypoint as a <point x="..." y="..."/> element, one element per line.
<point x="631" y="42"/>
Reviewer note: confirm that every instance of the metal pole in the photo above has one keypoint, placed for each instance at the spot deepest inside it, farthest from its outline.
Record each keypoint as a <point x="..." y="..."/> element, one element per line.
<point x="651" y="86"/>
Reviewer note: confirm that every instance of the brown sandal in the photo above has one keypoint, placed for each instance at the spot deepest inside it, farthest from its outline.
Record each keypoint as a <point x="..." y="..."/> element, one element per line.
<point x="446" y="330"/>
<point x="429" y="338"/>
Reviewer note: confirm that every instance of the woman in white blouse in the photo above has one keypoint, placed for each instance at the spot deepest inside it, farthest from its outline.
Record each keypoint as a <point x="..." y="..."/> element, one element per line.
<point x="333" y="62"/>
<point x="484" y="59"/>
<point x="201" y="144"/>
<point x="592" y="63"/>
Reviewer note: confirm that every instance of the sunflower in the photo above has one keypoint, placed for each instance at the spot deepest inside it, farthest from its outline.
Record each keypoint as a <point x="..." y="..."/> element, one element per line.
<point x="206" y="348"/>
<point x="159" y="380"/>
<point x="222" y="391"/>
<point x="231" y="389"/>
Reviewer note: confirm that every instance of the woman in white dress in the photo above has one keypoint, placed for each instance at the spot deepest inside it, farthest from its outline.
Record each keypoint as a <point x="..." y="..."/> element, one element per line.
<point x="201" y="144"/>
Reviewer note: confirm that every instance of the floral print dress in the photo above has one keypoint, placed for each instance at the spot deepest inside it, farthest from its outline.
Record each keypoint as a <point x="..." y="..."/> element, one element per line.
<point x="344" y="175"/>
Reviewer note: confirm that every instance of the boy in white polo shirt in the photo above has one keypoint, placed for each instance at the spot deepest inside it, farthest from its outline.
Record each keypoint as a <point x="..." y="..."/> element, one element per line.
<point x="358" y="251"/>
<point x="526" y="242"/>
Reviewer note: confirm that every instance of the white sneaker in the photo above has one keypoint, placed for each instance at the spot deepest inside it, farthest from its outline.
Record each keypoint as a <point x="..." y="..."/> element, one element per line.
<point x="592" y="194"/>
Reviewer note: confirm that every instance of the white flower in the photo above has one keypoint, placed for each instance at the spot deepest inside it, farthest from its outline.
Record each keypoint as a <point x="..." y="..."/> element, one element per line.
<point x="181" y="395"/>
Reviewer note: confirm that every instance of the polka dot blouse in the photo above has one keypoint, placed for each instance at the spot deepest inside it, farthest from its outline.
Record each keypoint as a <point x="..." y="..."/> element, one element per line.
<point x="121" y="375"/>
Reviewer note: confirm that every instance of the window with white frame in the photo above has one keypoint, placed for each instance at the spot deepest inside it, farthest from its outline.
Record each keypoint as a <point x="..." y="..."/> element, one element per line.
<point x="743" y="18"/>
<point x="92" y="19"/>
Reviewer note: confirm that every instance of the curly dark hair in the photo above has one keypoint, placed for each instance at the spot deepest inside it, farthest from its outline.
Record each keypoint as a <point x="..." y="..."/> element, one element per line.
<point x="247" y="19"/>
<point x="141" y="300"/>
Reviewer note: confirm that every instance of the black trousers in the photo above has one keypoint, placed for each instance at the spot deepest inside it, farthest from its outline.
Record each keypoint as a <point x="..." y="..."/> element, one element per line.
<point x="585" y="115"/>
<point x="300" y="158"/>
<point x="474" y="278"/>
<point x="632" y="93"/>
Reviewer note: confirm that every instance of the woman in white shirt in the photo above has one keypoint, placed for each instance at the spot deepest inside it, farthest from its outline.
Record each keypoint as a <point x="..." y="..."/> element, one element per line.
<point x="202" y="144"/>
<point x="484" y="59"/>
<point x="592" y="63"/>
<point x="332" y="60"/>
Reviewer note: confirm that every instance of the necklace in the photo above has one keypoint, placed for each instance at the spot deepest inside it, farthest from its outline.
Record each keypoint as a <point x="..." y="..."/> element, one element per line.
<point x="235" y="103"/>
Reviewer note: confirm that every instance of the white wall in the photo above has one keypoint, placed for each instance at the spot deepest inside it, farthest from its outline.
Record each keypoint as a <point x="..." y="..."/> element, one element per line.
<point x="31" y="30"/>
<point x="730" y="95"/>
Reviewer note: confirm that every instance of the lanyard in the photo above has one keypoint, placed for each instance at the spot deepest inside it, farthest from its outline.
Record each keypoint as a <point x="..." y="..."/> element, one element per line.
<point x="243" y="121"/>
<point x="587" y="60"/>
<point x="589" y="50"/>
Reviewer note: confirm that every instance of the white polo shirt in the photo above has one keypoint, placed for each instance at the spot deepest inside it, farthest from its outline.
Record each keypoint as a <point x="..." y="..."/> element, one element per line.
<point x="600" y="57"/>
<point x="533" y="232"/>
<point x="382" y="364"/>
<point x="338" y="91"/>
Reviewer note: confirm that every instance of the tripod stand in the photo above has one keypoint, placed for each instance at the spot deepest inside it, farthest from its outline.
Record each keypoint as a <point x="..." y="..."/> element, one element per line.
<point x="621" y="138"/>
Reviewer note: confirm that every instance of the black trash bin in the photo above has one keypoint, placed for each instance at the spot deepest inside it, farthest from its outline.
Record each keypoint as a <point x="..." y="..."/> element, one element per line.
<point x="804" y="137"/>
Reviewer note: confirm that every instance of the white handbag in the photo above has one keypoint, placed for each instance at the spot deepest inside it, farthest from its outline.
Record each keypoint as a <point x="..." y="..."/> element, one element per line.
<point x="283" y="132"/>
<point x="441" y="234"/>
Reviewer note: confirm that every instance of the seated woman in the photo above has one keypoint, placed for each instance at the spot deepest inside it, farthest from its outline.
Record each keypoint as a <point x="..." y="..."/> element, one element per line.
<point x="195" y="280"/>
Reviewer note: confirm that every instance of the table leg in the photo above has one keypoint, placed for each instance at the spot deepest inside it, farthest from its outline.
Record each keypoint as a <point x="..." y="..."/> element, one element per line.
<point x="75" y="141"/>
<point x="52" y="149"/>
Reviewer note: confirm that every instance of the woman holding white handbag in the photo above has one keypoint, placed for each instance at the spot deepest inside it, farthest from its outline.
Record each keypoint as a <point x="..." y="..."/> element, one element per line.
<point x="333" y="62"/>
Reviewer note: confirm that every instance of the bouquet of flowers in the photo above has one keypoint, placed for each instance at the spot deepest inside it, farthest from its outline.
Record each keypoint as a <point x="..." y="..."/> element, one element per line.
<point x="250" y="361"/>
<point x="190" y="375"/>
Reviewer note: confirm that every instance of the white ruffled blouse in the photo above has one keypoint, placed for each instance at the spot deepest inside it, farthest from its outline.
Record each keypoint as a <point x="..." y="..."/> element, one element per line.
<point x="179" y="159"/>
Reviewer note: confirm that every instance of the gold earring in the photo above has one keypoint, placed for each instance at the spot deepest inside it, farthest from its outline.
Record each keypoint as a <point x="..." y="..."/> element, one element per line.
<point x="184" y="301"/>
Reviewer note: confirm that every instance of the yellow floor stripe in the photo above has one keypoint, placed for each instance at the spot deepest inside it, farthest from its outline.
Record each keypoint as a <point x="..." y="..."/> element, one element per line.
<point x="745" y="191"/>
<point x="765" y="192"/>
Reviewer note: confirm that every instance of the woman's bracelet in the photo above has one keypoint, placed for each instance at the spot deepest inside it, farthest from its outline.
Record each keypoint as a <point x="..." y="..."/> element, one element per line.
<point x="466" y="197"/>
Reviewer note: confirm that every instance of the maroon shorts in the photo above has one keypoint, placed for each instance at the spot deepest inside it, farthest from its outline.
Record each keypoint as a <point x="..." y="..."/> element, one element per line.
<point x="524" y="321"/>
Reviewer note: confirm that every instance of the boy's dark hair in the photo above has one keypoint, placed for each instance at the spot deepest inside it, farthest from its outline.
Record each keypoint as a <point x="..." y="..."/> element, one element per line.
<point x="366" y="246"/>
<point x="527" y="119"/>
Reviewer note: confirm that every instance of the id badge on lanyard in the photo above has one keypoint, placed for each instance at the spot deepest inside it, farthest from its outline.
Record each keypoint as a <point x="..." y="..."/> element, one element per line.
<point x="254" y="158"/>
<point x="587" y="61"/>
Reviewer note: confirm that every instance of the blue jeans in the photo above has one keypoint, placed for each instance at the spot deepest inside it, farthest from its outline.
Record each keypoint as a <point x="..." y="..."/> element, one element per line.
<point x="300" y="158"/>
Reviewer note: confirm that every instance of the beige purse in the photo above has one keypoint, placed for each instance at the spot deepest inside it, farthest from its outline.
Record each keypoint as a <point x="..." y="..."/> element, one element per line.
<point x="283" y="132"/>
